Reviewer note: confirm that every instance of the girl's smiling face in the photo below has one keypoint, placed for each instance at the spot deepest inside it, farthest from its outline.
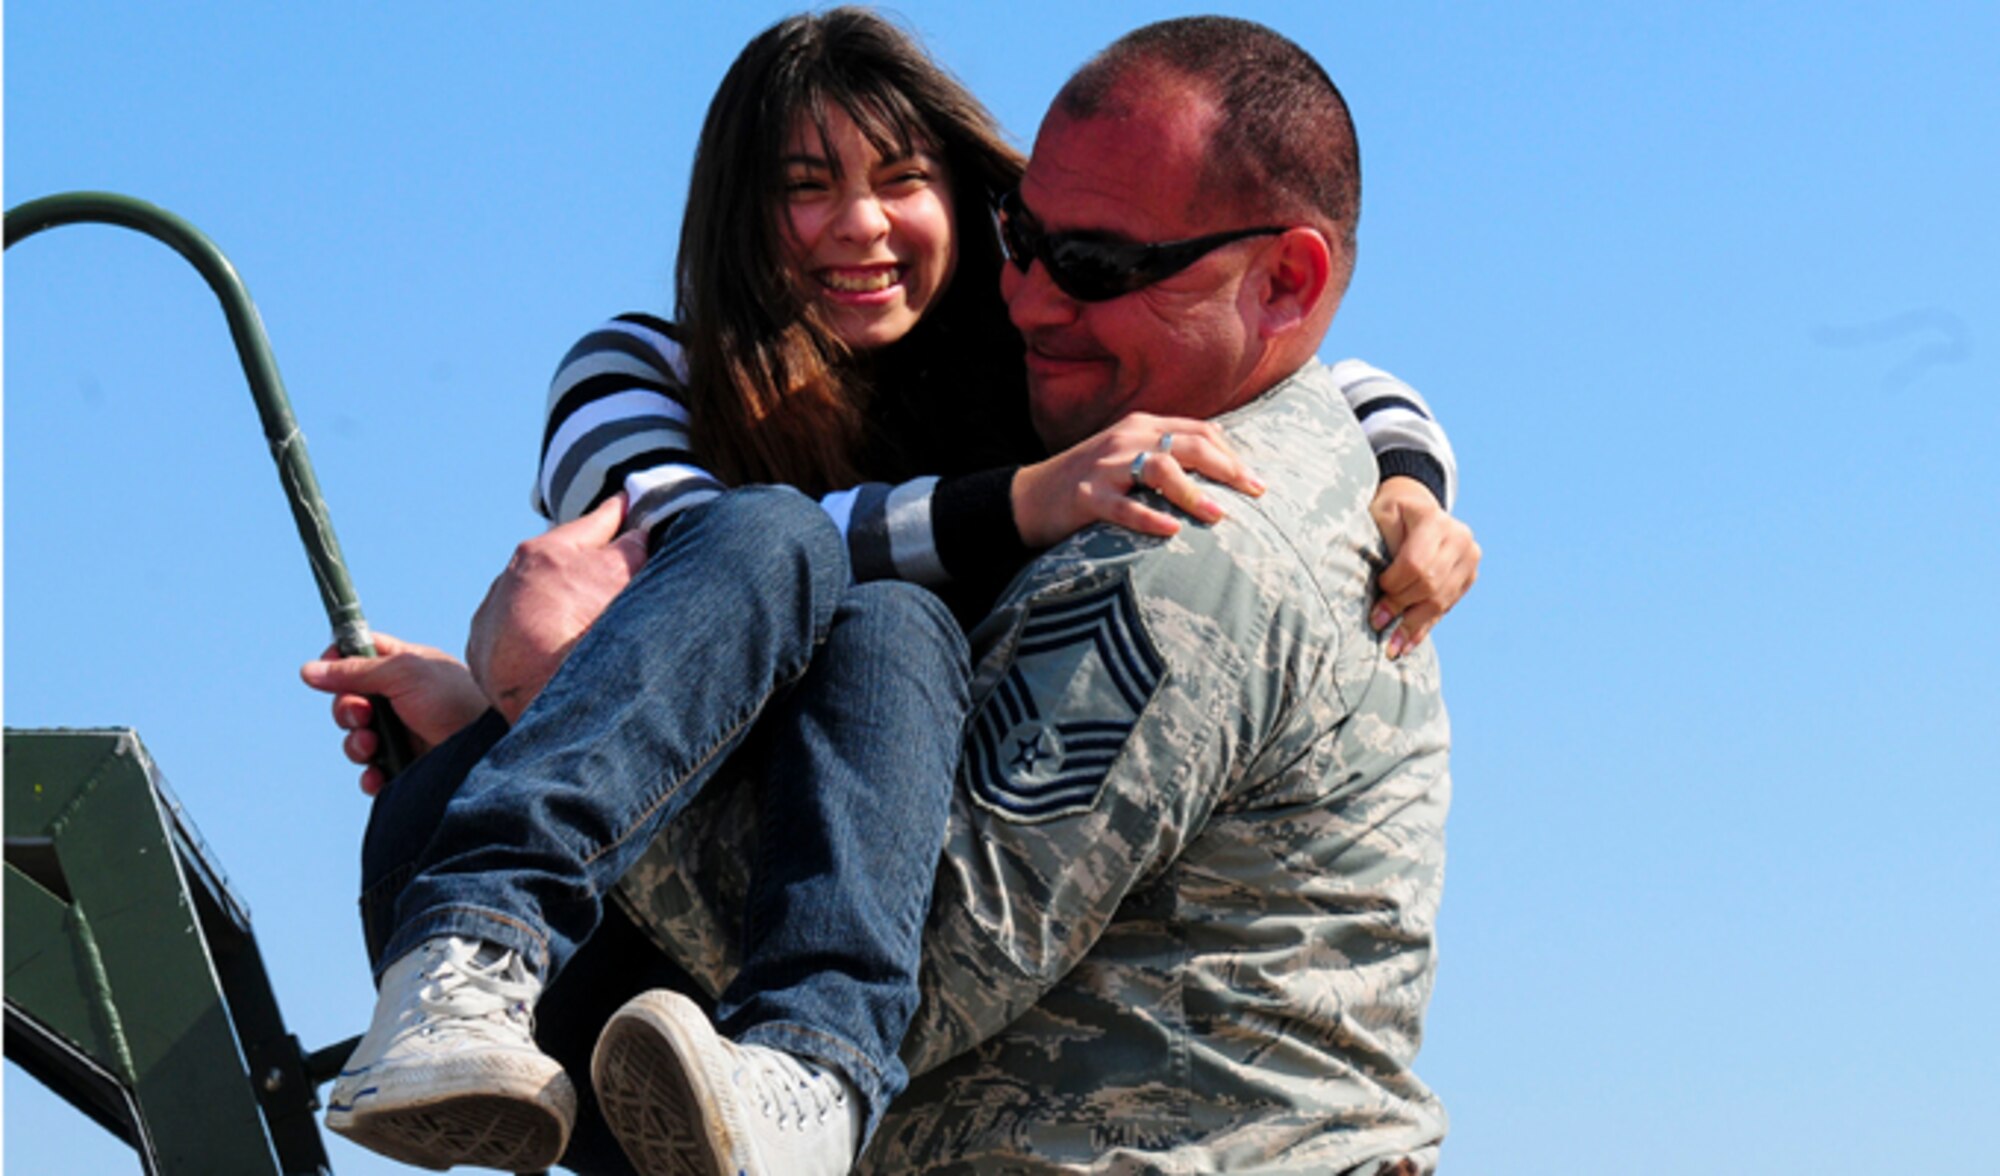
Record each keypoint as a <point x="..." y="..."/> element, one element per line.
<point x="870" y="238"/>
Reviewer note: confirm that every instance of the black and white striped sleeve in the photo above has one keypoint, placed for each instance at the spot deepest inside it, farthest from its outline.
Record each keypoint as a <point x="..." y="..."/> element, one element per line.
<point x="930" y="531"/>
<point x="1406" y="438"/>
<point x="616" y="422"/>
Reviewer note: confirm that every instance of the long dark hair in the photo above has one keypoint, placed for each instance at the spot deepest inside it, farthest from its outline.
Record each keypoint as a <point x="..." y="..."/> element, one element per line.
<point x="774" y="392"/>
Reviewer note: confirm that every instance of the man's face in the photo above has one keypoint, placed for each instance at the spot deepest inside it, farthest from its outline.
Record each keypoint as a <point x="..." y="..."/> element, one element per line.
<point x="1183" y="346"/>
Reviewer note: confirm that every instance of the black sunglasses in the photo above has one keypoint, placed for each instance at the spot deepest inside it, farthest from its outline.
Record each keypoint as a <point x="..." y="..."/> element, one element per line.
<point x="1095" y="266"/>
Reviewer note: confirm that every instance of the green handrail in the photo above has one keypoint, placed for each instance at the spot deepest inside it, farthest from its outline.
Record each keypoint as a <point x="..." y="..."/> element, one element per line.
<point x="274" y="409"/>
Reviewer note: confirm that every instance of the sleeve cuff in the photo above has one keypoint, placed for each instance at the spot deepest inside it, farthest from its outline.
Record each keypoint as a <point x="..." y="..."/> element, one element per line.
<point x="972" y="517"/>
<point x="1415" y="463"/>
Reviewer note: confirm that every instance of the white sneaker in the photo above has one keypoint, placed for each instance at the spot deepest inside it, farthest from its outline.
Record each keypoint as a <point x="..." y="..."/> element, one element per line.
<point x="683" y="1100"/>
<point x="448" y="1072"/>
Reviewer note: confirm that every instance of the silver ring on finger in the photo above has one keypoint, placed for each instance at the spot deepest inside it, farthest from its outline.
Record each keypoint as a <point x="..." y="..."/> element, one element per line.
<point x="1139" y="468"/>
<point x="1166" y="444"/>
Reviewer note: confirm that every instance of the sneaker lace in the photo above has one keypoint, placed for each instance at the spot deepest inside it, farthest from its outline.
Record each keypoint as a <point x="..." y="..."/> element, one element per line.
<point x="456" y="984"/>
<point x="791" y="1091"/>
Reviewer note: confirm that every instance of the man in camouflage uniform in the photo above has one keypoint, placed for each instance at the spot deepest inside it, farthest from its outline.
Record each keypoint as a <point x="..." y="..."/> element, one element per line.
<point x="1184" y="918"/>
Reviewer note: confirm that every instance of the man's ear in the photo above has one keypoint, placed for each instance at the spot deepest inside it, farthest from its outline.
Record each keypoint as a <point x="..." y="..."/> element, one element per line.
<point x="1298" y="282"/>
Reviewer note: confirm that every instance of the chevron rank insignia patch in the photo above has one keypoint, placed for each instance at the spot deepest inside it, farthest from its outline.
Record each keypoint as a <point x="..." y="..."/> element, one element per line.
<point x="1043" y="742"/>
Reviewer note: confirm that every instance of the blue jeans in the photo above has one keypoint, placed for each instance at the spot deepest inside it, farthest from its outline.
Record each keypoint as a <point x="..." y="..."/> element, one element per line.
<point x="617" y="963"/>
<point x="743" y="619"/>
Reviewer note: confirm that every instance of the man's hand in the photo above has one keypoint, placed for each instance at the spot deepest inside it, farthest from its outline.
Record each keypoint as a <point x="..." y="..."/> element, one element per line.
<point x="555" y="587"/>
<point x="430" y="690"/>
<point x="1435" y="561"/>
<point x="1091" y="481"/>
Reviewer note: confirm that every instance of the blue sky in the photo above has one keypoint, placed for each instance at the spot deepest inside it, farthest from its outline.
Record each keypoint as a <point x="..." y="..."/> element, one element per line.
<point x="1704" y="294"/>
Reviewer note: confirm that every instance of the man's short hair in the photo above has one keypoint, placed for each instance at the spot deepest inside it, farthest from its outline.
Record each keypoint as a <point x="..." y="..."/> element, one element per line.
<point x="1285" y="145"/>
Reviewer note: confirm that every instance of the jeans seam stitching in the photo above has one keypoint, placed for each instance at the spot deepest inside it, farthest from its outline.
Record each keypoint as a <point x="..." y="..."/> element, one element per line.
<point x="442" y="915"/>
<point x="679" y="784"/>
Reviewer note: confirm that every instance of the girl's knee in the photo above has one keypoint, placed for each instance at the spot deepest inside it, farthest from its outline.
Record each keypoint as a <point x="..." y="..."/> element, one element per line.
<point x="892" y="615"/>
<point x="760" y="532"/>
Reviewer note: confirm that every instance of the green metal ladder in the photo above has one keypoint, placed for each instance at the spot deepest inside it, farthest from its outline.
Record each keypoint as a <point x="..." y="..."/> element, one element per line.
<point x="134" y="987"/>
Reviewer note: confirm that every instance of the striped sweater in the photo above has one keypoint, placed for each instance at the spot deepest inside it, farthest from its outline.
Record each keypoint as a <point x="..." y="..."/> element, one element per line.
<point x="616" y="421"/>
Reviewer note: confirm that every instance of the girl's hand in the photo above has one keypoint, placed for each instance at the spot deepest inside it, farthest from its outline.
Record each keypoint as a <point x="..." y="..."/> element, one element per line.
<point x="1435" y="562"/>
<point x="430" y="690"/>
<point x="1091" y="482"/>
